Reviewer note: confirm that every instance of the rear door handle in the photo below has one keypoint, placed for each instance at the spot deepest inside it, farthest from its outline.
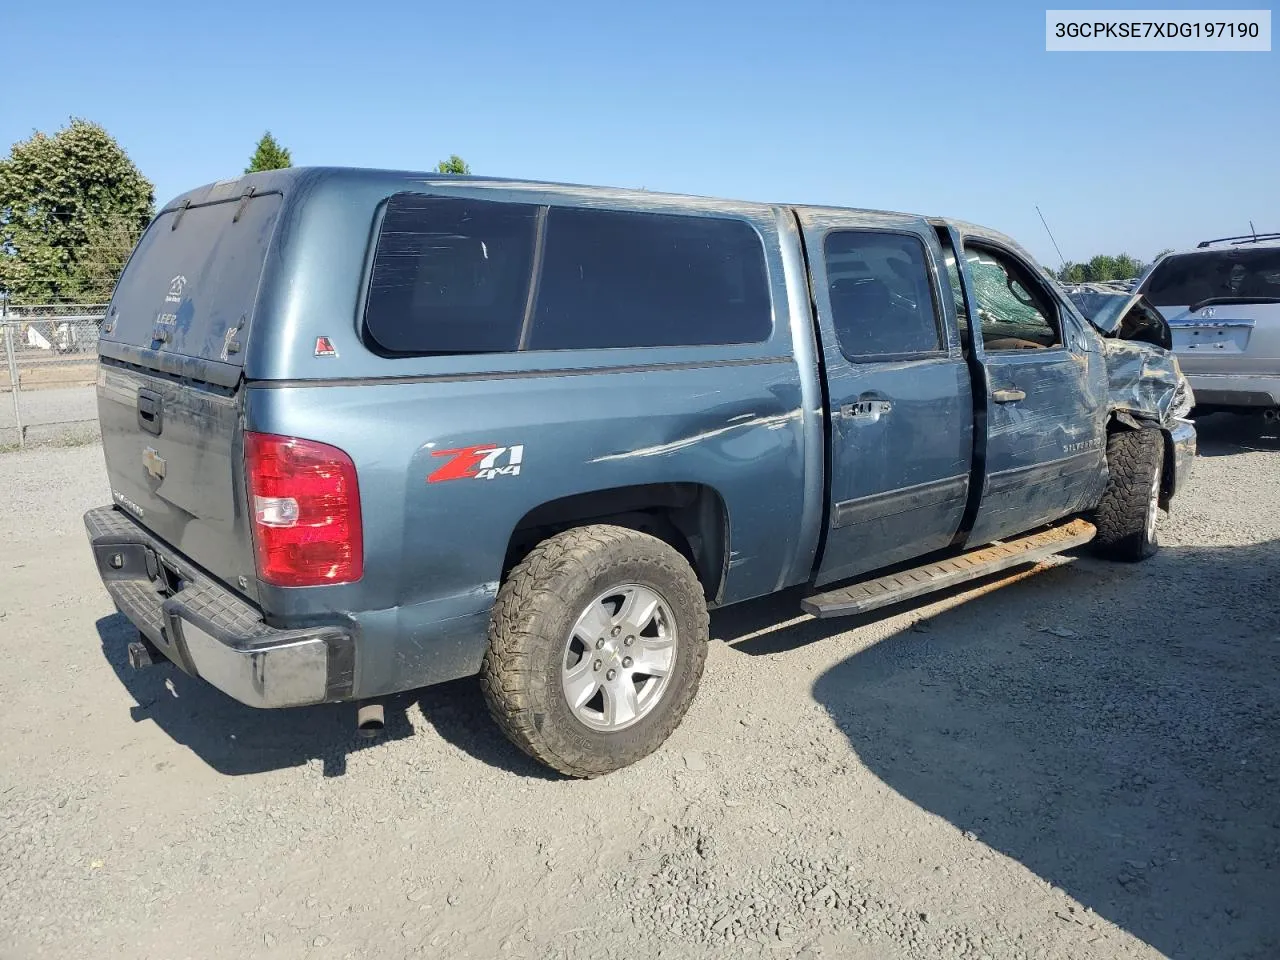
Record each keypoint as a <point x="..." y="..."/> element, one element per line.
<point x="1008" y="395"/>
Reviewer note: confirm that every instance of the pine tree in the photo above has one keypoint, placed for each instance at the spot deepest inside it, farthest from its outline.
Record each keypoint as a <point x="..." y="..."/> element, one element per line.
<point x="269" y="155"/>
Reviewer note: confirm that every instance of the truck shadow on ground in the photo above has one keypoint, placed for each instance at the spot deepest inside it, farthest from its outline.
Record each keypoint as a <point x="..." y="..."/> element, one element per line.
<point x="1227" y="434"/>
<point x="1115" y="729"/>
<point x="236" y="740"/>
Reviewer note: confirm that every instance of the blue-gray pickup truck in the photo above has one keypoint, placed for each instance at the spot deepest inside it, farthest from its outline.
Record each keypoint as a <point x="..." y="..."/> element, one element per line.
<point x="368" y="431"/>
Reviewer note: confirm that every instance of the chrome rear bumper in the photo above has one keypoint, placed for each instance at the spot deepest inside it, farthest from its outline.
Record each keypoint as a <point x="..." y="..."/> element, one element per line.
<point x="210" y="632"/>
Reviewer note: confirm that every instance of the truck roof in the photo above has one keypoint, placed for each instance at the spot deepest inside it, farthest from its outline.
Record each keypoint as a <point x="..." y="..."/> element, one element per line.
<point x="290" y="179"/>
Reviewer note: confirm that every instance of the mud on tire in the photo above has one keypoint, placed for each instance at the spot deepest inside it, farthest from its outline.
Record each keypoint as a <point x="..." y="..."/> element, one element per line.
<point x="529" y="633"/>
<point x="1126" y="516"/>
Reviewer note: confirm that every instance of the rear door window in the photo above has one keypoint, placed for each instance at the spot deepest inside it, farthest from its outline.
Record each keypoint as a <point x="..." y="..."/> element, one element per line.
<point x="624" y="279"/>
<point x="451" y="275"/>
<point x="192" y="283"/>
<point x="881" y="298"/>
<point x="1187" y="278"/>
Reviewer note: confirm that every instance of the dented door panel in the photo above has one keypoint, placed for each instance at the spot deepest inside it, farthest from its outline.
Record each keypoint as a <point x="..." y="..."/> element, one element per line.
<point x="1046" y="453"/>
<point x="1046" y="415"/>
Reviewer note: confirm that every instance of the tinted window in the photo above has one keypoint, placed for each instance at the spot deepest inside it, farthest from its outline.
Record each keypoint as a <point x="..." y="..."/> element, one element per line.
<point x="621" y="279"/>
<point x="1014" y="310"/>
<point x="194" y="278"/>
<point x="881" y="300"/>
<point x="1188" y="278"/>
<point x="451" y="275"/>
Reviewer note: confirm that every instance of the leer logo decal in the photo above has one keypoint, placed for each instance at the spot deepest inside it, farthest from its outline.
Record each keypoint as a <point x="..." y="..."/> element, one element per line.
<point x="176" y="286"/>
<point x="484" y="461"/>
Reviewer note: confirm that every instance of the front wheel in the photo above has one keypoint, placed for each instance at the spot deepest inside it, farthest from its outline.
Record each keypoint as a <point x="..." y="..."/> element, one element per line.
<point x="596" y="646"/>
<point x="1126" y="517"/>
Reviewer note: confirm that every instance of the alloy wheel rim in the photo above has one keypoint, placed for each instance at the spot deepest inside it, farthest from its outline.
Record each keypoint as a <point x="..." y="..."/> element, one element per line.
<point x="618" y="658"/>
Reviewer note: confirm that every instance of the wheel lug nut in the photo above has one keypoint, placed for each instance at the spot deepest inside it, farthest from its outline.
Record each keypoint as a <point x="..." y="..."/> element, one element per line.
<point x="627" y="661"/>
<point x="615" y="631"/>
<point x="628" y="641"/>
<point x="600" y="644"/>
<point x="597" y="665"/>
<point x="611" y="674"/>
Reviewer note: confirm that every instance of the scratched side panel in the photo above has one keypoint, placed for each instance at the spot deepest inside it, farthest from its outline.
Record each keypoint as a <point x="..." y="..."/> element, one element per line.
<point x="434" y="550"/>
<point x="1045" y="454"/>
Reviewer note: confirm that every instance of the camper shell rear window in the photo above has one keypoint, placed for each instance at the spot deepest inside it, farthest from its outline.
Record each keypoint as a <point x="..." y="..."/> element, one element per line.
<point x="191" y="285"/>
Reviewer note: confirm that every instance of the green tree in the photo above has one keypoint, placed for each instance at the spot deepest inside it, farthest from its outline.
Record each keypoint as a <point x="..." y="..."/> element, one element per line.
<point x="1127" y="267"/>
<point x="268" y="155"/>
<point x="455" y="164"/>
<point x="72" y="206"/>
<point x="1102" y="268"/>
<point x="1165" y="252"/>
<point x="1072" y="272"/>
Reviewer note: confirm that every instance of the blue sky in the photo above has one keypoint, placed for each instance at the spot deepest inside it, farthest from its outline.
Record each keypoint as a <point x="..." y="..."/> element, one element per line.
<point x="952" y="109"/>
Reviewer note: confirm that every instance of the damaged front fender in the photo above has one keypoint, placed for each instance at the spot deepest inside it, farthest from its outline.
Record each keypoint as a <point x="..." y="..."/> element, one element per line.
<point x="1145" y="383"/>
<point x="1146" y="388"/>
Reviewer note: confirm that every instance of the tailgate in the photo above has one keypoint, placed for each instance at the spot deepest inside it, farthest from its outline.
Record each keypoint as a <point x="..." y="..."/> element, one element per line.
<point x="169" y="395"/>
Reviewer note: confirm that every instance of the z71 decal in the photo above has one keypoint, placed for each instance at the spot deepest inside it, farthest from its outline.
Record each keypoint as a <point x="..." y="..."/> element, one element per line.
<point x="483" y="461"/>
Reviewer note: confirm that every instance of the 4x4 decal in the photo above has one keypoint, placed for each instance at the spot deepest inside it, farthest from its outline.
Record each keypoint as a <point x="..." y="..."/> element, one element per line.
<point x="479" y="462"/>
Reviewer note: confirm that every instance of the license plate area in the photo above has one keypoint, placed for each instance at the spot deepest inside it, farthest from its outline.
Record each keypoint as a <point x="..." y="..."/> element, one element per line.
<point x="1225" y="337"/>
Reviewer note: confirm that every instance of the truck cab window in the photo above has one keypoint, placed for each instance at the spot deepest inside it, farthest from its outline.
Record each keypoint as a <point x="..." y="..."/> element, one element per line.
<point x="1014" y="310"/>
<point x="881" y="299"/>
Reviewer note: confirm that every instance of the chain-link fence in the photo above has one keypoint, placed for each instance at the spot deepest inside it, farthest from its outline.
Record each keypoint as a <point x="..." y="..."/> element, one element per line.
<point x="50" y="364"/>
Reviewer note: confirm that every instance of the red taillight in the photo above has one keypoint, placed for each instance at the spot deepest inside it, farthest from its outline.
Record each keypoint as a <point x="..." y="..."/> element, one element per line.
<point x="305" y="508"/>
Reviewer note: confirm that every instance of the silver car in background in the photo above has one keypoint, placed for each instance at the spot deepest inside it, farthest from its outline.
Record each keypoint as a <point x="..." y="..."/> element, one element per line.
<point x="1222" y="301"/>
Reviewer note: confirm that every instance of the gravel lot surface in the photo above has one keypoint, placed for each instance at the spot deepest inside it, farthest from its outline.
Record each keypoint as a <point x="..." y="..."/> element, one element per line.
<point x="1083" y="763"/>
<point x="51" y="415"/>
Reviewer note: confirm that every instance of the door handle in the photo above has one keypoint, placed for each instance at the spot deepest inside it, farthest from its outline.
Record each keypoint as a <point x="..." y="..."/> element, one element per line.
<point x="865" y="409"/>
<point x="150" y="411"/>
<point x="1008" y="395"/>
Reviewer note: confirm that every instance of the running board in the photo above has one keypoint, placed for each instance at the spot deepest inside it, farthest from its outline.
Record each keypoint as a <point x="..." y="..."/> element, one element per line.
<point x="896" y="587"/>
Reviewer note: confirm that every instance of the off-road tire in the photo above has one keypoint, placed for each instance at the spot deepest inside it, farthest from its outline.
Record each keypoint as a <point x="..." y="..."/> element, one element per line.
<point x="536" y="609"/>
<point x="1126" y="527"/>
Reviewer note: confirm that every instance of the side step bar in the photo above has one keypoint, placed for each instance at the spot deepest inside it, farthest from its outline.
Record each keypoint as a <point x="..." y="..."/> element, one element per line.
<point x="896" y="587"/>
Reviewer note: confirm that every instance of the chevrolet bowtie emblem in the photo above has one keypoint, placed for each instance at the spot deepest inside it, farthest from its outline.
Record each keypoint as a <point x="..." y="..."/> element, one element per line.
<point x="153" y="462"/>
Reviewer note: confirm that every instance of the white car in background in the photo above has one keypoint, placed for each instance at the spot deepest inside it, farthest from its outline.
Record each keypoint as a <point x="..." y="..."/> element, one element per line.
<point x="1222" y="302"/>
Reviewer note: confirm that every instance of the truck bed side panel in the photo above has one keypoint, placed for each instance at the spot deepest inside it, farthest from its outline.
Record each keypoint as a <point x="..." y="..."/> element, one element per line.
<point x="434" y="550"/>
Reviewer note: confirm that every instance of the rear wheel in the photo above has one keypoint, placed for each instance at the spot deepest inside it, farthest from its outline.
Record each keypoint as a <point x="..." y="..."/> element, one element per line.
<point x="1126" y="517"/>
<point x="596" y="647"/>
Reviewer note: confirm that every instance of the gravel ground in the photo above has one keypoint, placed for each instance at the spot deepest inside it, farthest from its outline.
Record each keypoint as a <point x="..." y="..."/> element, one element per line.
<point x="53" y="415"/>
<point x="1082" y="763"/>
